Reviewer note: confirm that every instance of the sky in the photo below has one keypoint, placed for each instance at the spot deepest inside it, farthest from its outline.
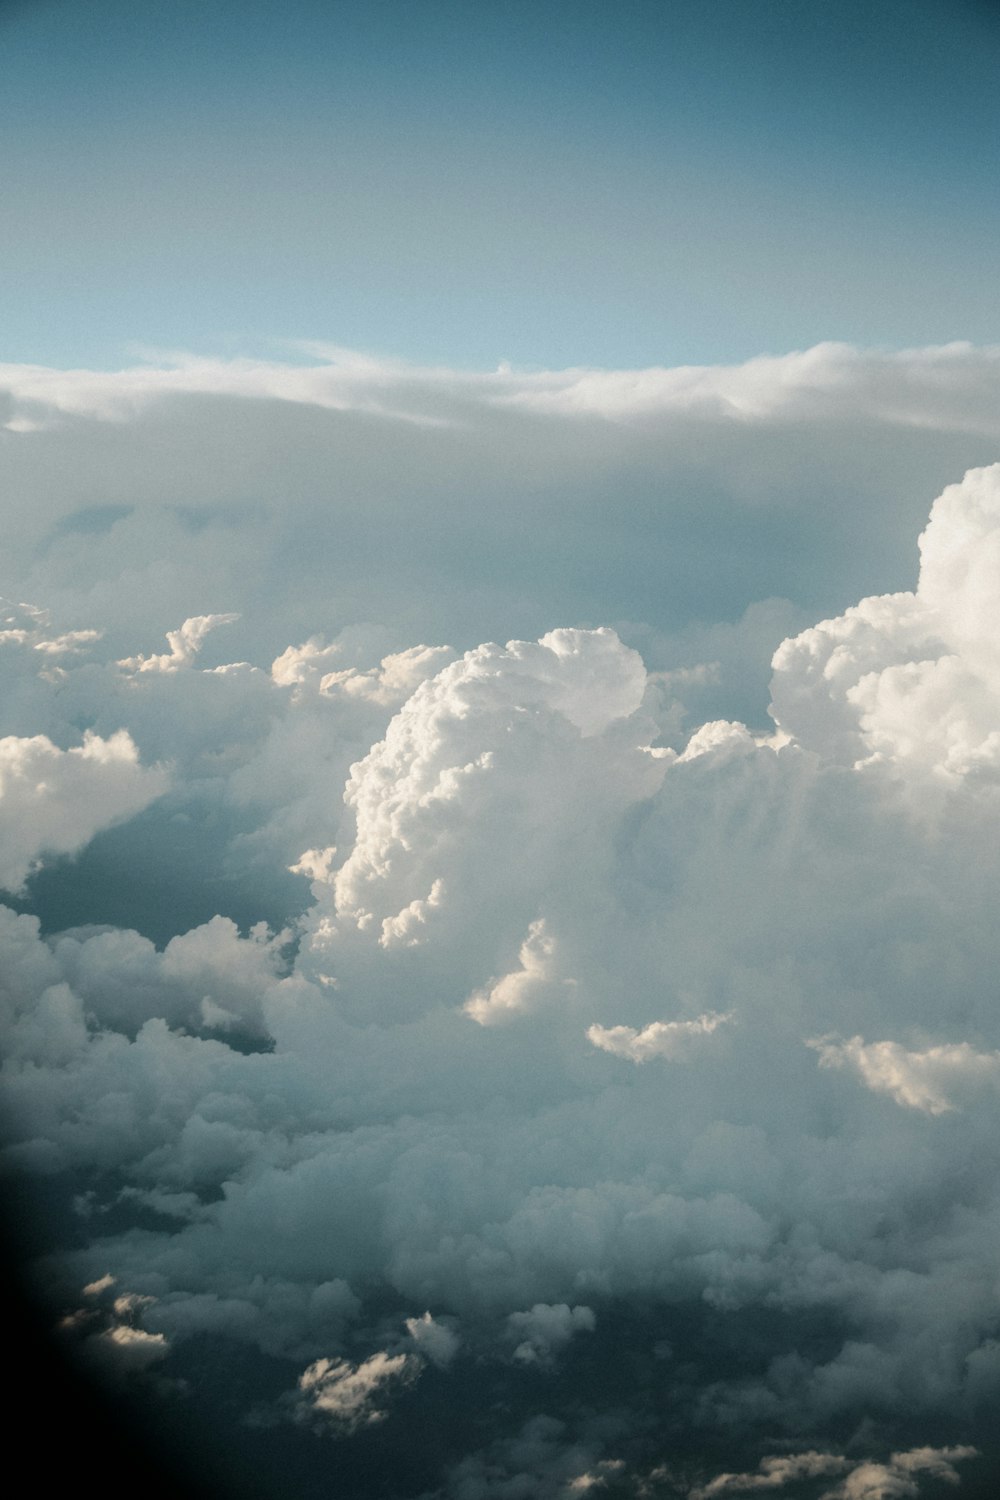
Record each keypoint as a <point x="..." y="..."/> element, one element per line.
<point x="555" y="184"/>
<point x="500" y="748"/>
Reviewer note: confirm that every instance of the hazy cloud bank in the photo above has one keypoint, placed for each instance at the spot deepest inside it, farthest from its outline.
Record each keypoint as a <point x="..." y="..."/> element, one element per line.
<point x="310" y="493"/>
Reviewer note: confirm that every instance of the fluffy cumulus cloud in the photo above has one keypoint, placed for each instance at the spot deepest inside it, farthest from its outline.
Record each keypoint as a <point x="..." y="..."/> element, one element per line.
<point x="911" y="681"/>
<point x="922" y="1080"/>
<point x="53" y="801"/>
<point x="386" y="1152"/>
<point x="185" y="644"/>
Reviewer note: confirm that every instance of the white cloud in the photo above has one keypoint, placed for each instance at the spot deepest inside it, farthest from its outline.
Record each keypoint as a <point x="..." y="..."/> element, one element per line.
<point x="509" y="747"/>
<point x="773" y="1474"/>
<point x="523" y="988"/>
<point x="111" y="1334"/>
<point x="404" y="927"/>
<point x="102" y="1284"/>
<point x="911" y="682"/>
<point x="864" y="1479"/>
<point x="394" y="680"/>
<point x="185" y="644"/>
<point x="131" y="1348"/>
<point x="53" y="801"/>
<point x="26" y="626"/>
<point x="949" y="385"/>
<point x="918" y="387"/>
<point x="659" y="1039"/>
<point x="897" y="1479"/>
<point x="924" y="1080"/>
<point x="349" y="1395"/>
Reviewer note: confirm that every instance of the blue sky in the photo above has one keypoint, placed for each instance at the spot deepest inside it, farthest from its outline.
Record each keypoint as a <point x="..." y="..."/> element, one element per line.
<point x="550" y="184"/>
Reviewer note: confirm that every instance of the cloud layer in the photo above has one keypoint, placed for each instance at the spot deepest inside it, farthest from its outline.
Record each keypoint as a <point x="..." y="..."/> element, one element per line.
<point x="326" y="488"/>
<point x="594" y="1023"/>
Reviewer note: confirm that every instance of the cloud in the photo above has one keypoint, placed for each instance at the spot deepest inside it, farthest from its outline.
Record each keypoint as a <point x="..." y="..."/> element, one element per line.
<point x="944" y="385"/>
<point x="437" y="1341"/>
<point x="290" y="1135"/>
<point x="390" y="684"/>
<point x="864" y="1480"/>
<point x="540" y="1460"/>
<point x="184" y="644"/>
<point x="509" y="745"/>
<point x="404" y="927"/>
<point x="658" y="1039"/>
<point x="53" y="801"/>
<point x="920" y="1080"/>
<point x="546" y="1328"/>
<point x="132" y="1348"/>
<point x="347" y="1395"/>
<point x="109" y="1334"/>
<point x="911" y="682"/>
<point x="522" y="989"/>
<point x="773" y="1474"/>
<point x="912" y="387"/>
<point x="897" y="1478"/>
<point x="102" y="1284"/>
<point x="209" y="977"/>
<point x="26" y="626"/>
<point x="294" y="495"/>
